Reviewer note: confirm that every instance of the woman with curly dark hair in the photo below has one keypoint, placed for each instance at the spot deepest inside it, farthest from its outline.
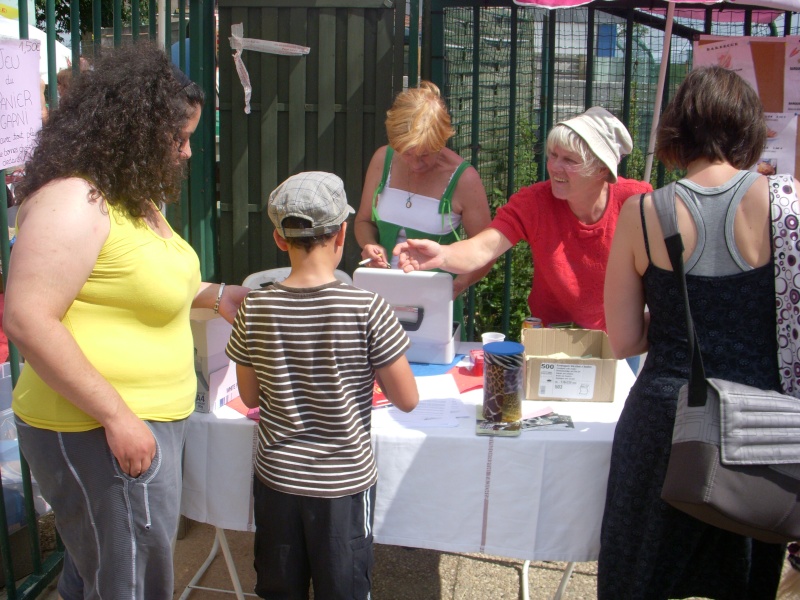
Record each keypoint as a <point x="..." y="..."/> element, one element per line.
<point x="98" y="299"/>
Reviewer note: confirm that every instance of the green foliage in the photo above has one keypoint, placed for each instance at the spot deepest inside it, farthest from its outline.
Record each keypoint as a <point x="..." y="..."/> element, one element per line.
<point x="635" y="164"/>
<point x="642" y="104"/>
<point x="62" y="13"/>
<point x="490" y="291"/>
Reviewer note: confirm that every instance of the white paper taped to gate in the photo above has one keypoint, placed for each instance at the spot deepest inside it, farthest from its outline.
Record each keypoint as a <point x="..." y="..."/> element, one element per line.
<point x="240" y="44"/>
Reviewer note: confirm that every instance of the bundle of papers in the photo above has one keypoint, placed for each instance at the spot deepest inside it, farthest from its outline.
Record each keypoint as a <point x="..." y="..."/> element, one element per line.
<point x="547" y="422"/>
<point x="543" y="419"/>
<point x="511" y="429"/>
<point x="439" y="406"/>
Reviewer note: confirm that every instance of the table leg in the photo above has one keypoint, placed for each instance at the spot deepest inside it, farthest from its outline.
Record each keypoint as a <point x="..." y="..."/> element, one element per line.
<point x="562" y="587"/>
<point x="201" y="571"/>
<point x="564" y="581"/>
<point x="220" y="541"/>
<point x="525" y="570"/>
<point x="226" y="552"/>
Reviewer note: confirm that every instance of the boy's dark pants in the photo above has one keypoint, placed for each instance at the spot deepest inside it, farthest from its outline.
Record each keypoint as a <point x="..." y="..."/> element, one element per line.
<point x="301" y="538"/>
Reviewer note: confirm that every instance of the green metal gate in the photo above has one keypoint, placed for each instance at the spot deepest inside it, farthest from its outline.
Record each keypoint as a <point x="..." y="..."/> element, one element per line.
<point x="194" y="218"/>
<point x="322" y="111"/>
<point x="509" y="73"/>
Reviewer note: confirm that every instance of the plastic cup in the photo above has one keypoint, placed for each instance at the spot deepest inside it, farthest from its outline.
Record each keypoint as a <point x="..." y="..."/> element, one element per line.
<point x="492" y="336"/>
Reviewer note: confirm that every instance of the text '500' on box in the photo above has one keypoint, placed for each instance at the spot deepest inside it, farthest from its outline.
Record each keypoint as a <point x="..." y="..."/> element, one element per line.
<point x="568" y="364"/>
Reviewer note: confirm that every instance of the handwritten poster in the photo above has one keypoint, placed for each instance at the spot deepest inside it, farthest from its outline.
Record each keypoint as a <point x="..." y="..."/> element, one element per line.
<point x="791" y="77"/>
<point x="20" y="101"/>
<point x="729" y="54"/>
<point x="779" y="153"/>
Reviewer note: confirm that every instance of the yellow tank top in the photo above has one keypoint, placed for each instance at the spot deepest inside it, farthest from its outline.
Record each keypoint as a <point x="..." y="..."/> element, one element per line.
<point x="131" y="319"/>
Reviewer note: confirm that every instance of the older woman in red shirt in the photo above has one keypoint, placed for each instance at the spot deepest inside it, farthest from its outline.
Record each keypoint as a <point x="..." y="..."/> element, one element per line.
<point x="568" y="220"/>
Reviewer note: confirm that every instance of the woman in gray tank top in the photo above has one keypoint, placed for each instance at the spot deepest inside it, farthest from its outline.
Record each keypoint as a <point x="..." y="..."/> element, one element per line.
<point x="714" y="129"/>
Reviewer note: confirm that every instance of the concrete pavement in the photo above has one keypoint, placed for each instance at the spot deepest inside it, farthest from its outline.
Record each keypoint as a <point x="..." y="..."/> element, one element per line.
<point x="399" y="574"/>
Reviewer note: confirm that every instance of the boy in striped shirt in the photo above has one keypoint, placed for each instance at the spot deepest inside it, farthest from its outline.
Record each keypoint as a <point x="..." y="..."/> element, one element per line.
<point x="307" y="352"/>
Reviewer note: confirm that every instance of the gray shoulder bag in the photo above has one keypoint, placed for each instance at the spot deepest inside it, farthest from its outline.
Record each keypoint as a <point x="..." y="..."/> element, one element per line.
<point x="735" y="459"/>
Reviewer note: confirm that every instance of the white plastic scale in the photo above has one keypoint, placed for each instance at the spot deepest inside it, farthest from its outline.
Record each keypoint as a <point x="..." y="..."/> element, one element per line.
<point x="423" y="303"/>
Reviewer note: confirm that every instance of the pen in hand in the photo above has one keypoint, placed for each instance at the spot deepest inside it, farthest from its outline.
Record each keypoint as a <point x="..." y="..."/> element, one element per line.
<point x="366" y="261"/>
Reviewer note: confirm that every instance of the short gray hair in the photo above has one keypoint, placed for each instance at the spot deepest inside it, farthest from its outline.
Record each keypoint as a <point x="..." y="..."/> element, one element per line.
<point x="565" y="138"/>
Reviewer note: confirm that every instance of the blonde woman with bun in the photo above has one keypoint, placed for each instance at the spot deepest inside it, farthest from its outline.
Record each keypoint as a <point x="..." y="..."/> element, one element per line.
<point x="417" y="188"/>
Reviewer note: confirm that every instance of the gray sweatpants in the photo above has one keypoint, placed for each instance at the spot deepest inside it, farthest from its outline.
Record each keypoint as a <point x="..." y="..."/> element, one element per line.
<point x="117" y="530"/>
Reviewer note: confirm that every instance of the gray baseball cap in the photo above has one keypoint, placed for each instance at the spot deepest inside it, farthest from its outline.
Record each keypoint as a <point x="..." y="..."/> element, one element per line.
<point x="315" y="196"/>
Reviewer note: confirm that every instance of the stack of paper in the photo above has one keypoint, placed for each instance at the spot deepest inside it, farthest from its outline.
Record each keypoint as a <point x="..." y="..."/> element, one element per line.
<point x="439" y="406"/>
<point x="547" y="422"/>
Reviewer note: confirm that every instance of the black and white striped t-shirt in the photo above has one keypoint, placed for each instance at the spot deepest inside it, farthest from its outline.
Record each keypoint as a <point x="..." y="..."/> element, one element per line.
<point x="315" y="351"/>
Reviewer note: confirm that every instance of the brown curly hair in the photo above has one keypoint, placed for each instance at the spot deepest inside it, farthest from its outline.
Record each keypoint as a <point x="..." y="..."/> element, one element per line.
<point x="119" y="128"/>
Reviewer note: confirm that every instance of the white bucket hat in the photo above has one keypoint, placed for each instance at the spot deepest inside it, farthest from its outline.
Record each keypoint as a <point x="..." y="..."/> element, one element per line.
<point x="606" y="136"/>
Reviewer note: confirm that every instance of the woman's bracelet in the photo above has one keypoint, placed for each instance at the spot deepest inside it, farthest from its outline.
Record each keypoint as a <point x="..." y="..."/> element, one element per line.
<point x="219" y="297"/>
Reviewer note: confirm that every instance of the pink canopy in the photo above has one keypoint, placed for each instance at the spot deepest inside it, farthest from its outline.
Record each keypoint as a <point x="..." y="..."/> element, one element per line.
<point x="759" y="16"/>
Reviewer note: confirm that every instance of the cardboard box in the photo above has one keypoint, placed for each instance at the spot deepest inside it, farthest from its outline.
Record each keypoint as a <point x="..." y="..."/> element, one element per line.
<point x="210" y="332"/>
<point x="587" y="375"/>
<point x="222" y="387"/>
<point x="204" y="366"/>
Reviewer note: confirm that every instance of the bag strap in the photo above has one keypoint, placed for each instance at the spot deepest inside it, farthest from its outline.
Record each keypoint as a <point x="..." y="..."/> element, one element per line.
<point x="664" y="202"/>
<point x="446" y="203"/>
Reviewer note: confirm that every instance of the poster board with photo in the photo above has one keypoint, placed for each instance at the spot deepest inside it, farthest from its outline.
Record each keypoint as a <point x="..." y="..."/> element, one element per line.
<point x="772" y="67"/>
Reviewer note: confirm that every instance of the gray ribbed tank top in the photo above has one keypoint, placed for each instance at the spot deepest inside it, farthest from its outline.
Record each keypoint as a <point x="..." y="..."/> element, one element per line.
<point x="713" y="210"/>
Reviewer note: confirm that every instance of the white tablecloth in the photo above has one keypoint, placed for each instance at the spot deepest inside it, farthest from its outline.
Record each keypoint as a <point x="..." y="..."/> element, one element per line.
<point x="538" y="496"/>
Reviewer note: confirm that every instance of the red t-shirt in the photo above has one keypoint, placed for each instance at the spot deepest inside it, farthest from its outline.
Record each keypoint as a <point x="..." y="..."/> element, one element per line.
<point x="569" y="257"/>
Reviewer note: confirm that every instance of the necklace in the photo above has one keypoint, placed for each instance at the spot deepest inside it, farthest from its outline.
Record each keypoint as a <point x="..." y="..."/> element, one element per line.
<point x="410" y="186"/>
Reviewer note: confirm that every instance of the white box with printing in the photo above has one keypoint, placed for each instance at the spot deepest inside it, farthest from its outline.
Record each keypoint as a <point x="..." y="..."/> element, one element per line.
<point x="210" y="332"/>
<point x="222" y="387"/>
